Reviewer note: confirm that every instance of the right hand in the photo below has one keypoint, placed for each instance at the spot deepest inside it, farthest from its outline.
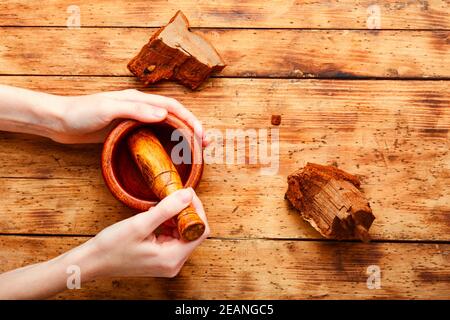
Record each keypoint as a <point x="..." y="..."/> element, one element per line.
<point x="131" y="247"/>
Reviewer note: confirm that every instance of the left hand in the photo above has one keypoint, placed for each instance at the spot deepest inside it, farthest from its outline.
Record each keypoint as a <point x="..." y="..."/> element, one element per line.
<point x="89" y="118"/>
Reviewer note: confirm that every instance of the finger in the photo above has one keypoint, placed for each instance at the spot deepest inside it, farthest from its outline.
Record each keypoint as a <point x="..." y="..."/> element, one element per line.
<point x="167" y="208"/>
<point x="164" y="238"/>
<point x="198" y="206"/>
<point x="172" y="105"/>
<point x="181" y="248"/>
<point x="175" y="107"/>
<point x="211" y="138"/>
<point x="185" y="248"/>
<point x="171" y="223"/>
<point x="163" y="230"/>
<point x="205" y="142"/>
<point x="143" y="112"/>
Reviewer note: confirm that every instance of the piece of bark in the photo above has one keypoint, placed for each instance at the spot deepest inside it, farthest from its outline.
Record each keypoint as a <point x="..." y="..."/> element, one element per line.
<point x="275" y="119"/>
<point x="176" y="53"/>
<point x="330" y="200"/>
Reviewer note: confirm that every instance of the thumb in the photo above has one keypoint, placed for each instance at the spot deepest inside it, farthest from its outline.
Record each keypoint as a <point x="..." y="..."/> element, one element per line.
<point x="167" y="208"/>
<point x="134" y="110"/>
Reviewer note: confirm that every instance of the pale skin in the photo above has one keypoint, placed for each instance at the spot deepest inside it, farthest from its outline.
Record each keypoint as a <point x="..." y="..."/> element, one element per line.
<point x="128" y="248"/>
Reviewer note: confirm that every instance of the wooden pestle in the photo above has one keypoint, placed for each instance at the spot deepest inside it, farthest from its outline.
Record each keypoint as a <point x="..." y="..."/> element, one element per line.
<point x="163" y="178"/>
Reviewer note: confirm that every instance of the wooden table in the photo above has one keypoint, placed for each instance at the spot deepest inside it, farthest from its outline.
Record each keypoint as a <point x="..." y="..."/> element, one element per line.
<point x="374" y="102"/>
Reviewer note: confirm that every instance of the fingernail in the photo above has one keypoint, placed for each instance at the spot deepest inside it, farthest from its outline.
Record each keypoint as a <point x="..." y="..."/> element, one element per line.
<point x="206" y="142"/>
<point x="198" y="129"/>
<point x="159" y="113"/>
<point x="186" y="195"/>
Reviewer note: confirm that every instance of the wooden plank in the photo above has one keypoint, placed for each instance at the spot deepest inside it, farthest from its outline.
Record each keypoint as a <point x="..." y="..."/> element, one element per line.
<point x="346" y="14"/>
<point x="393" y="134"/>
<point x="248" y="53"/>
<point x="264" y="269"/>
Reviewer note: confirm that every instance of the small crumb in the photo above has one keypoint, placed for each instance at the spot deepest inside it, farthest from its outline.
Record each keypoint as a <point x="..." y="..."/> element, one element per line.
<point x="276" y="119"/>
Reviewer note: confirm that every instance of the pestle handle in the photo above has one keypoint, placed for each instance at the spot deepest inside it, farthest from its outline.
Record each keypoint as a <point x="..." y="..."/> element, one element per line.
<point x="163" y="178"/>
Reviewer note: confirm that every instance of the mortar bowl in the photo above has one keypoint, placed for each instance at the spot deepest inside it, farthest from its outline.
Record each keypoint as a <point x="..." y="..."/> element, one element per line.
<point x="123" y="177"/>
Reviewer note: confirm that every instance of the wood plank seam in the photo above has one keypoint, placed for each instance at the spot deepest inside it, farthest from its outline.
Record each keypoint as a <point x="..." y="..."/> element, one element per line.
<point x="219" y="76"/>
<point x="318" y="240"/>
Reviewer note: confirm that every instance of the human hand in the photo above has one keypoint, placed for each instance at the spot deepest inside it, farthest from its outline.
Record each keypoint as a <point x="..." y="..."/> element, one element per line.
<point x="132" y="248"/>
<point x="89" y="118"/>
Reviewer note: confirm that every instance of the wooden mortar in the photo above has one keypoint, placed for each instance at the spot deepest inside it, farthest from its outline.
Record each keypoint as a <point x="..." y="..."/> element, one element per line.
<point x="163" y="178"/>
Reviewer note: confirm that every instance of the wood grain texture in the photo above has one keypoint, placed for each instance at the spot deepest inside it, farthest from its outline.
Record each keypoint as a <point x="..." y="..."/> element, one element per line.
<point x="393" y="134"/>
<point x="248" y="53"/>
<point x="257" y="269"/>
<point x="344" y="14"/>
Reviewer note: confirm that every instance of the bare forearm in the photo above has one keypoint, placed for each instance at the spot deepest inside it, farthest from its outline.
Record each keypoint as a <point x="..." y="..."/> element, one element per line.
<point x="27" y="111"/>
<point x="45" y="279"/>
